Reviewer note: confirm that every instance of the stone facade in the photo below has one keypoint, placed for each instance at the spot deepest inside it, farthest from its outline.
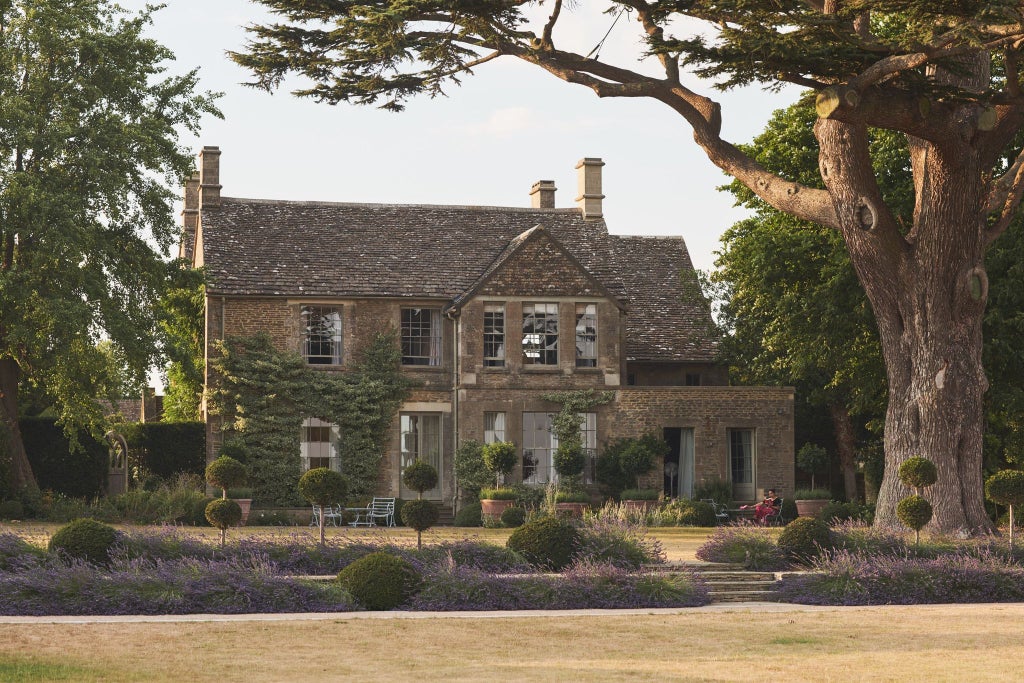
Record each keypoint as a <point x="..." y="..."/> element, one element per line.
<point x="624" y="325"/>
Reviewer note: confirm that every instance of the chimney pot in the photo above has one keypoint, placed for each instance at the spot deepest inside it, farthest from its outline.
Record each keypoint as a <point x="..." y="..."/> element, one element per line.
<point x="542" y="194"/>
<point x="209" y="176"/>
<point x="589" y="177"/>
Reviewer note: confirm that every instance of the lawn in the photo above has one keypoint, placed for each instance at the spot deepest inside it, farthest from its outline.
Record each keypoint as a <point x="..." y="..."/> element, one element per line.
<point x="977" y="642"/>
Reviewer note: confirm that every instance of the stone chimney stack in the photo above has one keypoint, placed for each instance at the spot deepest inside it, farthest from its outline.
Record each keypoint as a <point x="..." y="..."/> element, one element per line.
<point x="189" y="218"/>
<point x="209" y="176"/>
<point x="589" y="175"/>
<point x="542" y="194"/>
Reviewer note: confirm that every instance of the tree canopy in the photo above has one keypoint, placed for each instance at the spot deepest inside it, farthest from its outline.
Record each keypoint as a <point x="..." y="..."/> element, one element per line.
<point x="89" y="155"/>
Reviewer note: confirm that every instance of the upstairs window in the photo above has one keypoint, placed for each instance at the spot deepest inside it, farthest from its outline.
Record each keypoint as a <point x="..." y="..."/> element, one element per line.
<point x="321" y="335"/>
<point x="692" y="379"/>
<point x="421" y="336"/>
<point x="586" y="335"/>
<point x="540" y="334"/>
<point x="494" y="335"/>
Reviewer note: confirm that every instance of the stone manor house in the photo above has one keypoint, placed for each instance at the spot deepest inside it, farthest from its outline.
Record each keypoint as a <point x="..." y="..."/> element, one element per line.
<point x="494" y="307"/>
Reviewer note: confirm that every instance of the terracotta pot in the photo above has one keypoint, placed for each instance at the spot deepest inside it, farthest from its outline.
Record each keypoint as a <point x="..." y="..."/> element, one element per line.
<point x="810" y="508"/>
<point x="571" y="509"/>
<point x="246" y="505"/>
<point x="493" y="508"/>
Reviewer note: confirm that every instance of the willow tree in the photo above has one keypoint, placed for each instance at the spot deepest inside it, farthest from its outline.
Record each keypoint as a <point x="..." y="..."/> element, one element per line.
<point x="919" y="67"/>
<point x="89" y="166"/>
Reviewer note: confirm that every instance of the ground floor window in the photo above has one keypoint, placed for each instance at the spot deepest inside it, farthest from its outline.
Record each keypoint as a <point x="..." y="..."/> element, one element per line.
<point x="421" y="438"/>
<point x="741" y="463"/>
<point x="494" y="427"/>
<point x="318" y="445"/>
<point x="540" y="442"/>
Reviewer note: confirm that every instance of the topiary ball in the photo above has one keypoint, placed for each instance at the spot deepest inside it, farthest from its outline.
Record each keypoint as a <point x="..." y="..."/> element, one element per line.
<point x="804" y="538"/>
<point x="420" y="476"/>
<point x="85" y="539"/>
<point x="223" y="513"/>
<point x="917" y="472"/>
<point x="914" y="512"/>
<point x="513" y="517"/>
<point x="225" y="473"/>
<point x="380" y="581"/>
<point x="500" y="456"/>
<point x="569" y="459"/>
<point x="323" y="486"/>
<point x="1006" y="487"/>
<point x="545" y="542"/>
<point x="420" y="514"/>
<point x="469" y="515"/>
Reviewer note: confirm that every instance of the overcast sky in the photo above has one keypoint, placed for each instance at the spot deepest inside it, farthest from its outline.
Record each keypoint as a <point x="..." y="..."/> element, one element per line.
<point x="485" y="144"/>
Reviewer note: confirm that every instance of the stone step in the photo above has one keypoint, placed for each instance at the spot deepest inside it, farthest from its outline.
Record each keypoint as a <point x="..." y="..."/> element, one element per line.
<point x="694" y="566"/>
<point x="738" y="576"/>
<point x="739" y="585"/>
<point x="742" y="596"/>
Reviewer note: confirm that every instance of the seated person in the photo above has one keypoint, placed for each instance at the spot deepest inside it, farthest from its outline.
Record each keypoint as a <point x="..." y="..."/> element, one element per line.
<point x="769" y="506"/>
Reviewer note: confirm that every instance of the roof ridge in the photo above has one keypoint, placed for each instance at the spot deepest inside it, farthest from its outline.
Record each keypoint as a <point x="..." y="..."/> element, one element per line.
<point x="294" y="202"/>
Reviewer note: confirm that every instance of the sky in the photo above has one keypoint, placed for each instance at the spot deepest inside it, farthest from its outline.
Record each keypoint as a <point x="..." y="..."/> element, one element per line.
<point x="486" y="143"/>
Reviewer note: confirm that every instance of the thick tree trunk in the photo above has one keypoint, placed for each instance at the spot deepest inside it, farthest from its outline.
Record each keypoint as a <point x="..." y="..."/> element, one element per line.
<point x="846" y="446"/>
<point x="21" y="470"/>
<point x="928" y="290"/>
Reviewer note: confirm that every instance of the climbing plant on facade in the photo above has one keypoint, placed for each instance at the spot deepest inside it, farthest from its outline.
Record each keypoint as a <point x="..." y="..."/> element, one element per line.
<point x="264" y="394"/>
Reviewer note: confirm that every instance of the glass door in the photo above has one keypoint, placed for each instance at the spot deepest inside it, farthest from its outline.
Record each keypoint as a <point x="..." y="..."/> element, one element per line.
<point x="421" y="438"/>
<point x="741" y="463"/>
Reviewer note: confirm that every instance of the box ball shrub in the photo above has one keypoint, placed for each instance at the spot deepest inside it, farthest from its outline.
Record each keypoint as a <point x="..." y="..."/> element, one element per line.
<point x="225" y="473"/>
<point x="380" y="581"/>
<point x="85" y="539"/>
<point x="513" y="517"/>
<point x="420" y="476"/>
<point x="692" y="512"/>
<point x="12" y="509"/>
<point x="914" y="512"/>
<point x="918" y="473"/>
<point x="500" y="458"/>
<point x="223" y="513"/>
<point x="545" y="542"/>
<point x="469" y="515"/>
<point x="420" y="514"/>
<point x="804" y="538"/>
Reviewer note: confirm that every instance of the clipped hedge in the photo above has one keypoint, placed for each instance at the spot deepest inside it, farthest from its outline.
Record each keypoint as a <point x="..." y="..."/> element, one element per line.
<point x="167" y="448"/>
<point x="78" y="474"/>
<point x="380" y="581"/>
<point x="545" y="542"/>
<point x="84" y="539"/>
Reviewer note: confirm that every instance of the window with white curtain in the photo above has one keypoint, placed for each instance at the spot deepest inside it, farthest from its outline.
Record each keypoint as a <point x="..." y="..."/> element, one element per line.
<point x="421" y="336"/>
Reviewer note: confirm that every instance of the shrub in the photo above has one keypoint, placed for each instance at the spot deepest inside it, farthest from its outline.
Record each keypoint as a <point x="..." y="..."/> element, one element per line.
<point x="639" y="456"/>
<point x="223" y="513"/>
<point x="322" y="486"/>
<point x="914" y="512"/>
<point x="80" y="473"/>
<point x="618" y="542"/>
<point x="1006" y="488"/>
<point x="470" y="471"/>
<point x="546" y="542"/>
<point x="858" y="537"/>
<point x="420" y="476"/>
<point x="225" y="473"/>
<point x="836" y="511"/>
<point x="812" y="494"/>
<point x="16" y="553"/>
<point x="804" y="538"/>
<point x="513" y="517"/>
<point x="569" y="459"/>
<point x="640" y="494"/>
<point x="420" y="515"/>
<point x="84" y="539"/>
<point x="469" y="515"/>
<point x="718" y="490"/>
<point x="752" y="546"/>
<point x="498" y="494"/>
<point x="572" y="497"/>
<point x="918" y="473"/>
<point x="167" y="449"/>
<point x="686" y="512"/>
<point x="500" y="458"/>
<point x="380" y="581"/>
<point x="811" y="458"/>
<point x="12" y="509"/>
<point x="789" y="509"/>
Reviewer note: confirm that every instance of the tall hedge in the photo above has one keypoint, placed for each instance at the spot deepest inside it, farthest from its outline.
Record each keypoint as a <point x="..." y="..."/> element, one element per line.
<point x="167" y="449"/>
<point x="81" y="474"/>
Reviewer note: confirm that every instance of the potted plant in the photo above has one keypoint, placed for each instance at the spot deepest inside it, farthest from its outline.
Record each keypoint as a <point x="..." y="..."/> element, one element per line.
<point x="500" y="459"/>
<point x="811" y="458"/>
<point x="572" y="503"/>
<point x="243" y="496"/>
<point x="494" y="501"/>
<point x="810" y="502"/>
<point x="636" y="459"/>
<point x="569" y="460"/>
<point x="641" y="499"/>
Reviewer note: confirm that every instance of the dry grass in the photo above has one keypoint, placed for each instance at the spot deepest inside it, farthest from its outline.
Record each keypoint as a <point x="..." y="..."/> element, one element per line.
<point x="974" y="643"/>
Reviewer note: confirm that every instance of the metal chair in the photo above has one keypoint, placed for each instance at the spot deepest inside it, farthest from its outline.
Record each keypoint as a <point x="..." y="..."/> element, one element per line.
<point x="721" y="516"/>
<point x="774" y="518"/>
<point x="379" y="509"/>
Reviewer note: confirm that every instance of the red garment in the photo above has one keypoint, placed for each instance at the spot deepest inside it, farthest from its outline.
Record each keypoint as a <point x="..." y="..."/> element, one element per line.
<point x="763" y="509"/>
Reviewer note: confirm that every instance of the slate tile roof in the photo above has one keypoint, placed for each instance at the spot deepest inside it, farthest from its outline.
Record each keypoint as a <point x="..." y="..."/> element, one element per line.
<point x="326" y="249"/>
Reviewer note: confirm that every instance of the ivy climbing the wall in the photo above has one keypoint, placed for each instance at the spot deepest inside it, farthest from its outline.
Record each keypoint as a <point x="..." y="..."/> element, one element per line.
<point x="264" y="394"/>
<point x="567" y="422"/>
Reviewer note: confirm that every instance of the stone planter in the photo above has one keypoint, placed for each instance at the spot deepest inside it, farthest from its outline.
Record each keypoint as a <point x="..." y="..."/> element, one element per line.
<point x="246" y="505"/>
<point x="810" y="508"/>
<point x="492" y="509"/>
<point x="571" y="509"/>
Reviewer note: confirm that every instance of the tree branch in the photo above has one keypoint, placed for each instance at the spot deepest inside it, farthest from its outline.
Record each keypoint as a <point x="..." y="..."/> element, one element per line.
<point x="1004" y="198"/>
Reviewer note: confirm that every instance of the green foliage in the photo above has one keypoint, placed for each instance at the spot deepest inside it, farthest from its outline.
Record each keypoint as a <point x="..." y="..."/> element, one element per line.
<point x="572" y="497"/>
<point x="471" y="472"/>
<point x="836" y="511"/>
<point x="804" y="538"/>
<point x="420" y="476"/>
<point x="546" y="542"/>
<point x="420" y="514"/>
<point x="223" y="513"/>
<point x="918" y="473"/>
<point x="181" y="319"/>
<point x="265" y="394"/>
<point x="500" y="457"/>
<point x="640" y="494"/>
<point x="499" y="494"/>
<point x="623" y="461"/>
<point x="167" y="449"/>
<point x="812" y="494"/>
<point x="718" y="490"/>
<point x="58" y="466"/>
<point x="915" y="512"/>
<point x="322" y="486"/>
<point x="380" y="581"/>
<point x="224" y="473"/>
<point x="90" y="164"/>
<point x="687" y="512"/>
<point x="569" y="459"/>
<point x="1006" y="487"/>
<point x="469" y="515"/>
<point x="12" y="509"/>
<point x="513" y="517"/>
<point x="812" y="458"/>
<point x="84" y="539"/>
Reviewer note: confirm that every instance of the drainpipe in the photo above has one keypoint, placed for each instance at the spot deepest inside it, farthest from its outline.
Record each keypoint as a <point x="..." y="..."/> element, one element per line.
<point x="453" y="315"/>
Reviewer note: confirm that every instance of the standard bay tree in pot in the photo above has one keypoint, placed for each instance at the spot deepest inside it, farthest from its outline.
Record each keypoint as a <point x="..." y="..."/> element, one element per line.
<point x="569" y="460"/>
<point x="420" y="514"/>
<point x="500" y="459"/>
<point x="323" y="487"/>
<point x="636" y="459"/>
<point x="811" y="458"/>
<point x="224" y="473"/>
